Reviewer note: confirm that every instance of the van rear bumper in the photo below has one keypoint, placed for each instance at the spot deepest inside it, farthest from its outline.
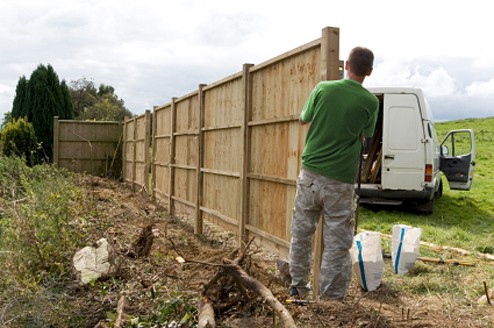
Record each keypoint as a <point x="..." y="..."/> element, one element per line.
<point x="369" y="191"/>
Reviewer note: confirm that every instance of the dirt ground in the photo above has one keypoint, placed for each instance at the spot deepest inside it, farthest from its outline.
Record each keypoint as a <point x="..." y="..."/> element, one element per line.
<point x="149" y="282"/>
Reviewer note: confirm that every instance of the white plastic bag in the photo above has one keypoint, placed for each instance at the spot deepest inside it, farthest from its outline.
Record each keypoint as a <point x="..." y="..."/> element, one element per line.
<point x="367" y="260"/>
<point x="405" y="245"/>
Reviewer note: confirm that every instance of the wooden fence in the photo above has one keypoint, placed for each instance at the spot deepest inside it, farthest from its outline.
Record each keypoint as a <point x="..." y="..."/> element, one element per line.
<point x="91" y="147"/>
<point x="135" y="158"/>
<point x="229" y="152"/>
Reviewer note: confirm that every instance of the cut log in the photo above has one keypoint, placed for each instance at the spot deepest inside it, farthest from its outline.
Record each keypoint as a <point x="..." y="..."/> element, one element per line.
<point x="257" y="287"/>
<point x="206" y="314"/>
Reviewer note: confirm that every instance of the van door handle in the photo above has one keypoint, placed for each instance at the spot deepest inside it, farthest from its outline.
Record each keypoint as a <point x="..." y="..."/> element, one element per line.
<point x="389" y="156"/>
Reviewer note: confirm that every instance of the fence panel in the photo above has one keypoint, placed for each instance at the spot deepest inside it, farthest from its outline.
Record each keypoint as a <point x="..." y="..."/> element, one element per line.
<point x="279" y="90"/>
<point x="161" y="151"/>
<point x="91" y="147"/>
<point x="223" y="152"/>
<point x="186" y="151"/>
<point x="136" y="150"/>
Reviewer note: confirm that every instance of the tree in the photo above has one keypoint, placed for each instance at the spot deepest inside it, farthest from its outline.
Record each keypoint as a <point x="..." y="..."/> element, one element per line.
<point x="39" y="99"/>
<point x="100" y="104"/>
<point x="20" y="101"/>
<point x="83" y="94"/>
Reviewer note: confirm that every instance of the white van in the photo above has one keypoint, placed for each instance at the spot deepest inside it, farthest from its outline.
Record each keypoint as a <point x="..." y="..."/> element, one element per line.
<point x="404" y="160"/>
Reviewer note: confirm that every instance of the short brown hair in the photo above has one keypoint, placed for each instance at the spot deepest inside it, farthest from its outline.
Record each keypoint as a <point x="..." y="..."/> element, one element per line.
<point x="360" y="61"/>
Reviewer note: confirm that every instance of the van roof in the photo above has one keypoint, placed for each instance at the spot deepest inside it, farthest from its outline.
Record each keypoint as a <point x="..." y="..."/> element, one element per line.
<point x="377" y="90"/>
<point x="424" y="106"/>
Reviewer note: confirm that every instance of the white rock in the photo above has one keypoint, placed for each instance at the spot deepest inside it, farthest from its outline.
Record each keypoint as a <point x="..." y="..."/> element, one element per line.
<point x="91" y="263"/>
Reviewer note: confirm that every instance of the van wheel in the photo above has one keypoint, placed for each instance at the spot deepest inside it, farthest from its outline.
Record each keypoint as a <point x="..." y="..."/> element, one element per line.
<point x="439" y="191"/>
<point x="426" y="208"/>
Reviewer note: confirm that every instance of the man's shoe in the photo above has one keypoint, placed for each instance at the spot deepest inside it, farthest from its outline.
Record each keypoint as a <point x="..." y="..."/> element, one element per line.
<point x="294" y="292"/>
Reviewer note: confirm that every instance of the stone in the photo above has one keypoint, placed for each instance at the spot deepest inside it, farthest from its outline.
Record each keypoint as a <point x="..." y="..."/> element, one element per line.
<point x="93" y="263"/>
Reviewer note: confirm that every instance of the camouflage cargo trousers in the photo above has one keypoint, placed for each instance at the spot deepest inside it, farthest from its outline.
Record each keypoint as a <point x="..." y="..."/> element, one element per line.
<point x="333" y="199"/>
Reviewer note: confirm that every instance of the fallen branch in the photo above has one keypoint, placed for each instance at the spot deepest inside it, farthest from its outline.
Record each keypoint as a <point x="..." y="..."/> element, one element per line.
<point x="254" y="285"/>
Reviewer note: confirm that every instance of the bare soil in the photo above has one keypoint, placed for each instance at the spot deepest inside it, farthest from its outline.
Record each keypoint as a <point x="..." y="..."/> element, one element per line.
<point x="154" y="281"/>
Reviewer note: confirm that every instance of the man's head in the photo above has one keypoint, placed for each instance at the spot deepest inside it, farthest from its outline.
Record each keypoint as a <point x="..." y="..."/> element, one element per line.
<point x="360" y="62"/>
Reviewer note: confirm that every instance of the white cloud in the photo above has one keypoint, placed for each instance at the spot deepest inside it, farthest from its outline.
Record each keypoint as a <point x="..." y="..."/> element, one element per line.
<point x="435" y="83"/>
<point x="481" y="89"/>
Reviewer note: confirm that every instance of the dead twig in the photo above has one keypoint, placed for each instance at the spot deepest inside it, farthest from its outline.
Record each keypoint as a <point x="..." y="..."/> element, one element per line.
<point x="487" y="294"/>
<point x="120" y="312"/>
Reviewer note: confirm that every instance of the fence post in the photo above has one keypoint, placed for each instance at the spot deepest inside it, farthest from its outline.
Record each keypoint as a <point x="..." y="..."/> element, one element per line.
<point x="134" y="154"/>
<point x="245" y="132"/>
<point x="56" y="139"/>
<point x="171" y="184"/>
<point x="153" y="154"/>
<point x="124" y="148"/>
<point x="200" y="163"/>
<point x="147" y="128"/>
<point x="330" y="70"/>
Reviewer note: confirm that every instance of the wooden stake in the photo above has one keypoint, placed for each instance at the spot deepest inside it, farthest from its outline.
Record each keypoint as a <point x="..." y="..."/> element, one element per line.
<point x="487" y="294"/>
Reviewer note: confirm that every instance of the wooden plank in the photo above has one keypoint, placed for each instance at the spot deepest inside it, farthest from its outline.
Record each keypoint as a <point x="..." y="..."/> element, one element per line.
<point x="289" y="182"/>
<point x="264" y="234"/>
<point x="287" y="55"/>
<point x="219" y="215"/>
<point x="290" y="118"/>
<point x="221" y="127"/>
<point x="221" y="172"/>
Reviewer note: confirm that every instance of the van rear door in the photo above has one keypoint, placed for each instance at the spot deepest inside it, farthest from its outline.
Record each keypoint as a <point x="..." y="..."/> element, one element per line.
<point x="403" y="149"/>
<point x="457" y="160"/>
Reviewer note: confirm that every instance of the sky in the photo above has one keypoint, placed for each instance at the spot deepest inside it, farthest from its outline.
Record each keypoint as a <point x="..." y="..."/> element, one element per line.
<point x="151" y="51"/>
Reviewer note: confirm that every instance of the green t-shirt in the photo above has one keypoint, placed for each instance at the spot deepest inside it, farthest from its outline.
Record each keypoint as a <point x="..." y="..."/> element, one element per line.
<point x="340" y="112"/>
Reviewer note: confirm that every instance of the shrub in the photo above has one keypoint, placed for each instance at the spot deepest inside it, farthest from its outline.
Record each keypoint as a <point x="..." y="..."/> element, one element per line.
<point x="18" y="139"/>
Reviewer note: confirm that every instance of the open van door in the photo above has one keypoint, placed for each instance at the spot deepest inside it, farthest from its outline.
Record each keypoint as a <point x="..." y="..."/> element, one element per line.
<point x="457" y="160"/>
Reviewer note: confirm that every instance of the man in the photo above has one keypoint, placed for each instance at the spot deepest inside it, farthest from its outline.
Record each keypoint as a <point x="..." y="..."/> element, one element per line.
<point x="340" y="113"/>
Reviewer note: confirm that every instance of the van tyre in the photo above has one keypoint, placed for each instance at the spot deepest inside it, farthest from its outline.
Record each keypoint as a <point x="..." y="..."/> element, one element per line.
<point x="439" y="191"/>
<point x="426" y="208"/>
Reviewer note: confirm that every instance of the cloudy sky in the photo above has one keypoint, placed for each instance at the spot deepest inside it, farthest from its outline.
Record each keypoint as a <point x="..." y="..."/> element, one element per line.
<point x="151" y="50"/>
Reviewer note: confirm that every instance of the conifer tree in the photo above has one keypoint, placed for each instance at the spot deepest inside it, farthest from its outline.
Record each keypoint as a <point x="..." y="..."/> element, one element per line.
<point x="19" y="105"/>
<point x="41" y="98"/>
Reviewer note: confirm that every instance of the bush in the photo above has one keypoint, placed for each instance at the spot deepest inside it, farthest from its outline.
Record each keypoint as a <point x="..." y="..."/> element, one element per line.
<point x="18" y="139"/>
<point x="41" y="227"/>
